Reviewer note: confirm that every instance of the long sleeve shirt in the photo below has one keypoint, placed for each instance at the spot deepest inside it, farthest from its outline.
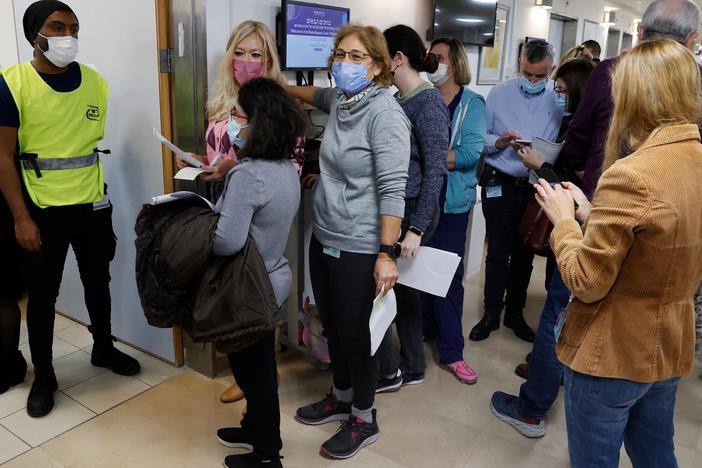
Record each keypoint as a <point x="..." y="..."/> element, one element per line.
<point x="429" y="144"/>
<point x="587" y="132"/>
<point x="510" y="108"/>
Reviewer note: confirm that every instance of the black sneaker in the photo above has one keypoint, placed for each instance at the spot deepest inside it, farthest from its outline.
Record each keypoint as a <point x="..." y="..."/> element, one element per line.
<point x="351" y="437"/>
<point x="327" y="410"/>
<point x="391" y="384"/>
<point x="251" y="460"/>
<point x="114" y="359"/>
<point x="234" y="437"/>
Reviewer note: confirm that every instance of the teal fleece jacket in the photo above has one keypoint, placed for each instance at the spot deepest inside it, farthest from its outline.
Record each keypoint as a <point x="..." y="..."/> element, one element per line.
<point x="468" y="133"/>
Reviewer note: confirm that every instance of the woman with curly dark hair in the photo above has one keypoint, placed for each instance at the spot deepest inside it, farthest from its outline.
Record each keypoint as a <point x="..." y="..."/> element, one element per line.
<point x="260" y="199"/>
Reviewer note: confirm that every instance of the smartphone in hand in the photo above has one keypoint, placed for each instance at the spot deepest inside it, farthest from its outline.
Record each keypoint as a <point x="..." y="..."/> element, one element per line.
<point x="551" y="177"/>
<point x="548" y="175"/>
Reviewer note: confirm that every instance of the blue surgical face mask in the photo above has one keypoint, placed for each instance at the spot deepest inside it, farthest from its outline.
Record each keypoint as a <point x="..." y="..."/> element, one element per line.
<point x="562" y="101"/>
<point x="233" y="130"/>
<point x="350" y="77"/>
<point x="533" y="88"/>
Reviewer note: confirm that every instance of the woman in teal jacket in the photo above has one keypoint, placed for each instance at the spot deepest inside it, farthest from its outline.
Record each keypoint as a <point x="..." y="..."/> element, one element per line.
<point x="442" y="316"/>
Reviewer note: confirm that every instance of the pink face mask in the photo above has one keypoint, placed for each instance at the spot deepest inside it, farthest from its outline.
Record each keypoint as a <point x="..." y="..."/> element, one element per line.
<point x="245" y="71"/>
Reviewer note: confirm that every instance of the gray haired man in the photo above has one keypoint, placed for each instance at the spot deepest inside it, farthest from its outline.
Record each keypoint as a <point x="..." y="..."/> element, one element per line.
<point x="520" y="108"/>
<point x="664" y="19"/>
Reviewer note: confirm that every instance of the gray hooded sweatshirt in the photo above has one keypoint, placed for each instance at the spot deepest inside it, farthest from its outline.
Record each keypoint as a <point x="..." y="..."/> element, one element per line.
<point x="363" y="162"/>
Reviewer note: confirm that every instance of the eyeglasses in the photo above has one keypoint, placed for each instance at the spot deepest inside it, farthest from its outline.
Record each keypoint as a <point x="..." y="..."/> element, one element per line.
<point x="236" y="115"/>
<point x="356" y="56"/>
<point x="559" y="90"/>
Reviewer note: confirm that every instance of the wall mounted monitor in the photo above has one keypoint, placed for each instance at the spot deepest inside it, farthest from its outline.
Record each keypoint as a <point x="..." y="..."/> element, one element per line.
<point x="469" y="21"/>
<point x="306" y="34"/>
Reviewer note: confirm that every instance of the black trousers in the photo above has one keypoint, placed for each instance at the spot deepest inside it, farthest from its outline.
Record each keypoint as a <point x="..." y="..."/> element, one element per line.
<point x="90" y="234"/>
<point x="344" y="289"/>
<point x="255" y="371"/>
<point x="409" y="315"/>
<point x="508" y="264"/>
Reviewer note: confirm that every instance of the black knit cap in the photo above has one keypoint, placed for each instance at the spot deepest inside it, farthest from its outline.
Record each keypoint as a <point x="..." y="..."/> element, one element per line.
<point x="37" y="13"/>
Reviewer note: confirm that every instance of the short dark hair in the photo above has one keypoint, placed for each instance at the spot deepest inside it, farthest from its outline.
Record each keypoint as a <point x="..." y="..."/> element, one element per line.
<point x="538" y="50"/>
<point x="404" y="39"/>
<point x="575" y="74"/>
<point x="276" y="120"/>
<point x="594" y="46"/>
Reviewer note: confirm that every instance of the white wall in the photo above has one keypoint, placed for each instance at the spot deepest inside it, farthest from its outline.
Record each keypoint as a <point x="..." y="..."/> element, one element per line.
<point x="8" y="40"/>
<point x="123" y="49"/>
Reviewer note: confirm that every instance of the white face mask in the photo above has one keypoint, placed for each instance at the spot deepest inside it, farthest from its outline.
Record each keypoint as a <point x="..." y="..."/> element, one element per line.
<point x="62" y="50"/>
<point x="440" y="76"/>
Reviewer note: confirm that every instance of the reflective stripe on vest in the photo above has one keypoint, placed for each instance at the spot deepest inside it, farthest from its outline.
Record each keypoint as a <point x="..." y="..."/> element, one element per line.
<point x="58" y="134"/>
<point x="57" y="164"/>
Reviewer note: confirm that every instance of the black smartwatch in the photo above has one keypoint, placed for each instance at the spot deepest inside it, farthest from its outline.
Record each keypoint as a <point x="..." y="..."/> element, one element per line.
<point x="416" y="230"/>
<point x="393" y="250"/>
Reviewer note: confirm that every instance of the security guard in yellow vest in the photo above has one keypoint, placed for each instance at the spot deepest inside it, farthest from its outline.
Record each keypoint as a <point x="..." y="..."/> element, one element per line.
<point x="51" y="119"/>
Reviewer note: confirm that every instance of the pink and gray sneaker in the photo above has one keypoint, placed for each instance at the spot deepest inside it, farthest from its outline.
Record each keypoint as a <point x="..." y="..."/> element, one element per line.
<point x="462" y="371"/>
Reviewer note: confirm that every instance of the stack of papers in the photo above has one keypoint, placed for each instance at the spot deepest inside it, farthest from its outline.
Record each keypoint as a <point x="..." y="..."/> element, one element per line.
<point x="176" y="196"/>
<point x="431" y="270"/>
<point x="384" y="312"/>
<point x="188" y="173"/>
<point x="549" y="152"/>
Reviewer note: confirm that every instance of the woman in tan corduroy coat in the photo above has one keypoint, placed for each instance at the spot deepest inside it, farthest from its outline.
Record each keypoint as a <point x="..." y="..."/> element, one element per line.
<point x="634" y="266"/>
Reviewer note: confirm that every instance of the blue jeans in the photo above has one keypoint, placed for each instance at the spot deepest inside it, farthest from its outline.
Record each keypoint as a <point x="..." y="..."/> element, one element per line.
<point x="541" y="389"/>
<point x="602" y="413"/>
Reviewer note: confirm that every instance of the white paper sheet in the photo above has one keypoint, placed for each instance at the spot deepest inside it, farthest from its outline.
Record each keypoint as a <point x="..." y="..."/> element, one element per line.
<point x="179" y="152"/>
<point x="189" y="173"/>
<point x="384" y="311"/>
<point x="549" y="152"/>
<point x="175" y="196"/>
<point x="431" y="270"/>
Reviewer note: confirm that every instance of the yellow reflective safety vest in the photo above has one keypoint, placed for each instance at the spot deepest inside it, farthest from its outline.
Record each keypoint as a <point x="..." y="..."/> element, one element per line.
<point x="58" y="136"/>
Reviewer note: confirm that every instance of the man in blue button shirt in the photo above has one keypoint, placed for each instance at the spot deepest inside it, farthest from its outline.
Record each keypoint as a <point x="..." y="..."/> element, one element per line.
<point x="521" y="108"/>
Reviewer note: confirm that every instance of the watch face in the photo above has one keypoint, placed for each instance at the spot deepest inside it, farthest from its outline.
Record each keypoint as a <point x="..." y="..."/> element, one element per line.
<point x="397" y="250"/>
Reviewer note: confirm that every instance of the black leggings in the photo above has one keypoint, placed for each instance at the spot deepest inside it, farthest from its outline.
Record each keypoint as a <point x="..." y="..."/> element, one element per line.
<point x="344" y="289"/>
<point x="255" y="371"/>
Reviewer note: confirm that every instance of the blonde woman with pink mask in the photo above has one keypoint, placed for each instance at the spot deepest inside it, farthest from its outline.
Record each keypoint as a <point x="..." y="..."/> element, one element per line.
<point x="251" y="53"/>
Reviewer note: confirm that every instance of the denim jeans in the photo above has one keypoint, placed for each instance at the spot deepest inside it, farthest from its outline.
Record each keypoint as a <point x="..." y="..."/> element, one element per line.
<point x="602" y="413"/>
<point x="541" y="389"/>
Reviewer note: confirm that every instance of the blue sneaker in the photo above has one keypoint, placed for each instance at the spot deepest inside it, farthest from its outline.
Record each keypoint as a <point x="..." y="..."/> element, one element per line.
<point x="412" y="378"/>
<point x="505" y="408"/>
<point x="389" y="384"/>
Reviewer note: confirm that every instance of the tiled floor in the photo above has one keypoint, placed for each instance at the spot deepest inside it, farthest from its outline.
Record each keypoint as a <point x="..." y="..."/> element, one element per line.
<point x="438" y="424"/>
<point x="84" y="393"/>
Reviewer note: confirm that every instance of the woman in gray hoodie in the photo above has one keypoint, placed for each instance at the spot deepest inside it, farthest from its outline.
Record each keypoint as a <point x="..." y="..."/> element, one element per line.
<point x="358" y="208"/>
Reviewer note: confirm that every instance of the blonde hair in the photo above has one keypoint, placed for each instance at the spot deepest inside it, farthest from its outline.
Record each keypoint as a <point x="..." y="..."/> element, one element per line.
<point x="459" y="60"/>
<point x="579" y="52"/>
<point x="222" y="98"/>
<point x="655" y="85"/>
<point x="373" y="40"/>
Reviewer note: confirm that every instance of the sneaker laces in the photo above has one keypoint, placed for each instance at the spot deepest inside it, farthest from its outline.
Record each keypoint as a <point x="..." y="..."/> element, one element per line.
<point x="463" y="367"/>
<point x="328" y="400"/>
<point x="354" y="425"/>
